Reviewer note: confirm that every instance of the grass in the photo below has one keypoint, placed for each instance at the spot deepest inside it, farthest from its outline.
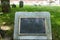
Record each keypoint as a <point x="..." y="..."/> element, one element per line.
<point x="55" y="17"/>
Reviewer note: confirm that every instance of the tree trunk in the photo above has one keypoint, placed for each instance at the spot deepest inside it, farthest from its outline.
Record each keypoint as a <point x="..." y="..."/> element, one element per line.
<point x="5" y="6"/>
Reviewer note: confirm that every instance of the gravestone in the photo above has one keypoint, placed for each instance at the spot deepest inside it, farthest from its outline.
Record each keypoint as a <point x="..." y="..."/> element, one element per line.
<point x="32" y="26"/>
<point x="21" y="4"/>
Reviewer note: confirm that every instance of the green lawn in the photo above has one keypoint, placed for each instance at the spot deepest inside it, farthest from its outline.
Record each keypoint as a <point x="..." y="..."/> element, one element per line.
<point x="55" y="17"/>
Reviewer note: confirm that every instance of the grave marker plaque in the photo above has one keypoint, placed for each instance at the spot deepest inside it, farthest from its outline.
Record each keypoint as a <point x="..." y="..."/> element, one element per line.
<point x="32" y="26"/>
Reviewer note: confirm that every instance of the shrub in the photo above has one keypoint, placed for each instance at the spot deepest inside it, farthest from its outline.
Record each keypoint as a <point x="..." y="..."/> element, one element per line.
<point x="13" y="6"/>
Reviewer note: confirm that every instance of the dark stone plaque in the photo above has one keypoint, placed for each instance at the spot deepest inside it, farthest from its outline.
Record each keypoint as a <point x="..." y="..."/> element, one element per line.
<point x="32" y="25"/>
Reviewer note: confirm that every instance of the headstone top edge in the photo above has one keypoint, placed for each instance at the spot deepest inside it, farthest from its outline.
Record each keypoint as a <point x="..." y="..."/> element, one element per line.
<point x="45" y="13"/>
<point x="32" y="12"/>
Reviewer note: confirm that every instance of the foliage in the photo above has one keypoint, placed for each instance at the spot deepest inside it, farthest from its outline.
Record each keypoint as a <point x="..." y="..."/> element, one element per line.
<point x="13" y="6"/>
<point x="55" y="17"/>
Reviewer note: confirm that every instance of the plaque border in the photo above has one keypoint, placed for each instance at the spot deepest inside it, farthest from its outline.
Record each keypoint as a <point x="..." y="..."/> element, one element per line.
<point x="31" y="34"/>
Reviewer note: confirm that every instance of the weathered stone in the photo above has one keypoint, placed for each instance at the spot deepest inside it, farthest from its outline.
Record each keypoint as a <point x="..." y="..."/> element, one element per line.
<point x="32" y="26"/>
